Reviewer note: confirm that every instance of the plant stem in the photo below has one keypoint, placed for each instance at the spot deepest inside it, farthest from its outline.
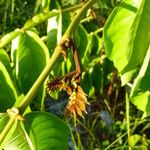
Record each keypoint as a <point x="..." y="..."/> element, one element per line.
<point x="29" y="96"/>
<point x="88" y="130"/>
<point x="6" y="129"/>
<point x="70" y="30"/>
<point x="58" y="50"/>
<point x="76" y="57"/>
<point x="128" y="115"/>
<point x="115" y="141"/>
<point x="73" y="8"/>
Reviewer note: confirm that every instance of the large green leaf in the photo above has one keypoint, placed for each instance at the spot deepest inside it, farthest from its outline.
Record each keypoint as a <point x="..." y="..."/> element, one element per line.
<point x="32" y="56"/>
<point x="4" y="118"/>
<point x="128" y="47"/>
<point x="46" y="131"/>
<point x="4" y="58"/>
<point x="138" y="44"/>
<point x="8" y="92"/>
<point x="117" y="33"/>
<point x="18" y="139"/>
<point x="39" y="131"/>
<point x="140" y="93"/>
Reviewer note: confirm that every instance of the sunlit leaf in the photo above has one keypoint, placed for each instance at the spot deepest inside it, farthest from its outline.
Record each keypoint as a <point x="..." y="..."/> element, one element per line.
<point x="134" y="139"/>
<point x="137" y="49"/>
<point x="4" y="118"/>
<point x="140" y="94"/>
<point x="19" y="140"/>
<point x="32" y="57"/>
<point x="117" y="33"/>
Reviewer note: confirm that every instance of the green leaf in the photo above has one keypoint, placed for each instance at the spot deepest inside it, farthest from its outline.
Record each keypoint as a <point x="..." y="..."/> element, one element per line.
<point x="16" y="138"/>
<point x="52" y="40"/>
<point x="117" y="34"/>
<point x="8" y="92"/>
<point x="86" y="82"/>
<point x="134" y="139"/>
<point x="32" y="57"/>
<point x="138" y="44"/>
<point x="4" y="58"/>
<point x="19" y="140"/>
<point x="4" y="118"/>
<point x="56" y="27"/>
<point x="96" y="77"/>
<point x="140" y="92"/>
<point x="93" y="46"/>
<point x="39" y="131"/>
<point x="46" y="131"/>
<point x="81" y="38"/>
<point x="9" y="37"/>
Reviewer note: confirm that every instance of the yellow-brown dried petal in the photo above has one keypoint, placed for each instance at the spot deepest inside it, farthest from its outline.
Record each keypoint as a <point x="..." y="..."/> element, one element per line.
<point x="79" y="112"/>
<point x="80" y="104"/>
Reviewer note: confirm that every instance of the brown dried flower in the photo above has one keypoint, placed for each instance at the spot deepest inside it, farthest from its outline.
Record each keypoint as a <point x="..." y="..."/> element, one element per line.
<point x="77" y="103"/>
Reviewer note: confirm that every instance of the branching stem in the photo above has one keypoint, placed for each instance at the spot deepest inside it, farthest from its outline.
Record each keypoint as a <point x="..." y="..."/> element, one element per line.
<point x="57" y="53"/>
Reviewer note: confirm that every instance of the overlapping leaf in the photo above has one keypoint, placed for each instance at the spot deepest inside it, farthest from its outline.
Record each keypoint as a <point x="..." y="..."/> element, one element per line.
<point x="127" y="41"/>
<point x="46" y="131"/>
<point x="140" y="94"/>
<point x="39" y="131"/>
<point x="117" y="33"/>
<point x="32" y="56"/>
<point x="8" y="92"/>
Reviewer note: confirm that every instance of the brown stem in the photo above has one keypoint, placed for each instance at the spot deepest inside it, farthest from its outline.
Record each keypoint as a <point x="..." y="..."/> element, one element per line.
<point x="76" y="57"/>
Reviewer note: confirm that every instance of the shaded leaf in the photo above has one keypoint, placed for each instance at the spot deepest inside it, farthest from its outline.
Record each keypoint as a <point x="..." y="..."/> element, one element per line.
<point x="8" y="92"/>
<point x="81" y="38"/>
<point x="4" y="58"/>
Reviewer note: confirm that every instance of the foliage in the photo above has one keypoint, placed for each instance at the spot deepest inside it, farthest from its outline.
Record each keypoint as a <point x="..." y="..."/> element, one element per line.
<point x="53" y="52"/>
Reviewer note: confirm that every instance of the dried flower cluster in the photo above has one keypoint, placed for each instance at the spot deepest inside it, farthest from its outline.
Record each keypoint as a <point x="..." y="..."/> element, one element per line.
<point x="77" y="103"/>
<point x="77" y="98"/>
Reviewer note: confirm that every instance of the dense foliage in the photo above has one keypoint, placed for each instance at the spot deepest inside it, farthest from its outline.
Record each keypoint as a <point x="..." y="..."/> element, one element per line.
<point x="74" y="74"/>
